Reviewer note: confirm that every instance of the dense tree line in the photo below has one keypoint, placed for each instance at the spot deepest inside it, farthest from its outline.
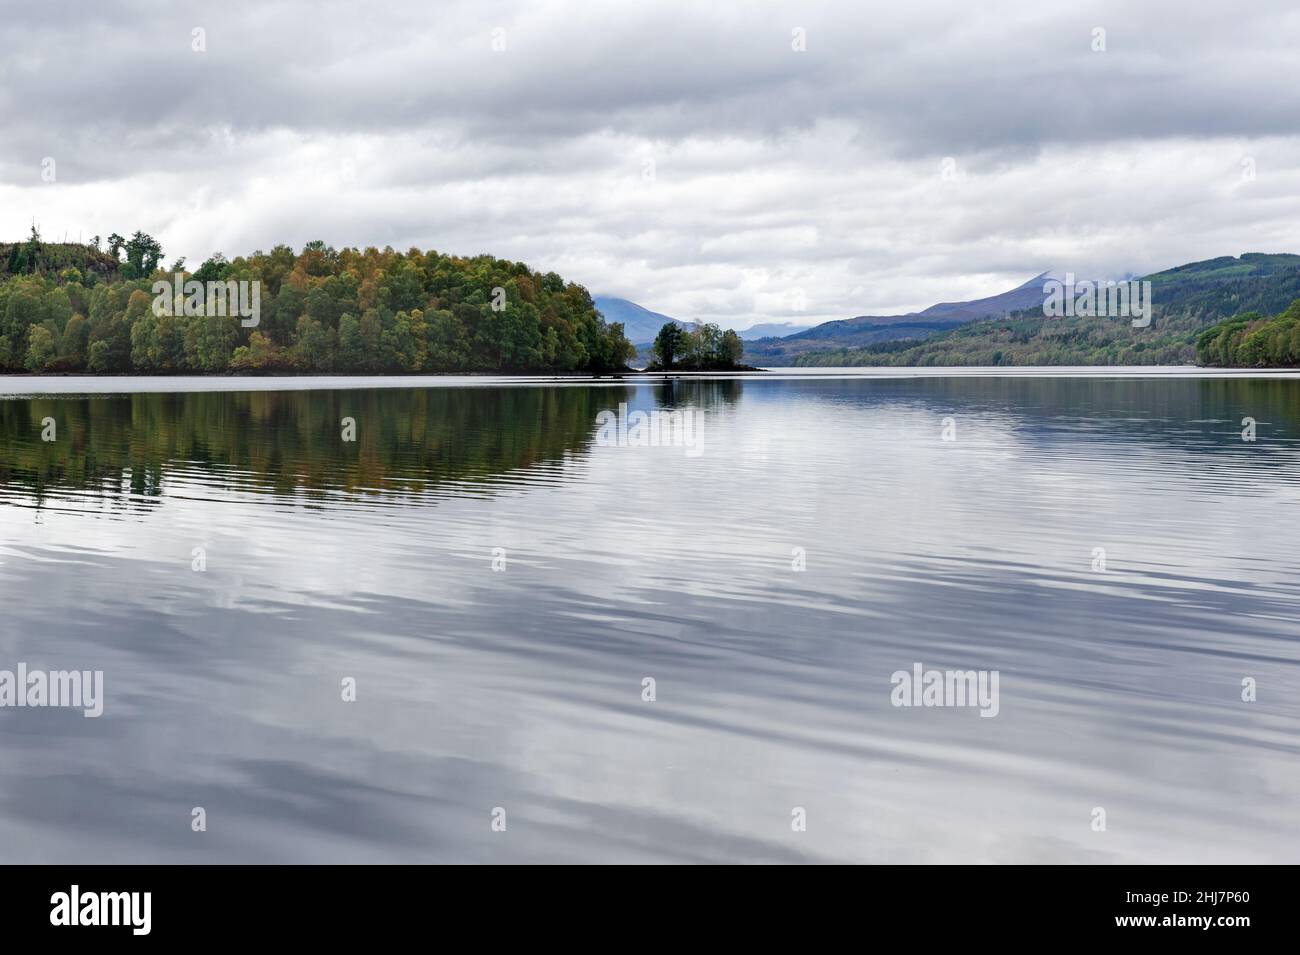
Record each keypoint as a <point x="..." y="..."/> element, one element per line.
<point x="74" y="308"/>
<point x="1250" y="340"/>
<point x="703" y="347"/>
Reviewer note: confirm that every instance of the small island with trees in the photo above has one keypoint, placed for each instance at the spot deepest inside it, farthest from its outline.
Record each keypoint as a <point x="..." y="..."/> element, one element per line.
<point x="703" y="347"/>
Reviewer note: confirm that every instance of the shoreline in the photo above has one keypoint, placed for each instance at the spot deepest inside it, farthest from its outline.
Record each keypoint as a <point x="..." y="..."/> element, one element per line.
<point x="39" y="385"/>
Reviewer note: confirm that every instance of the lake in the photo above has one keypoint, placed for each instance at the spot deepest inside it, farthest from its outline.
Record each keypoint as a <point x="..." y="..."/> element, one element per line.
<point x="499" y="621"/>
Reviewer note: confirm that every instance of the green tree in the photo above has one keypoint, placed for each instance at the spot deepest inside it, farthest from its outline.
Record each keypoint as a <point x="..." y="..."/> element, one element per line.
<point x="171" y="342"/>
<point x="352" y="354"/>
<point x="143" y="253"/>
<point x="213" y="269"/>
<point x="210" y="342"/>
<point x="41" y="349"/>
<point x="733" y="348"/>
<point x="260" y="354"/>
<point x="398" y="349"/>
<point x="668" y="344"/>
<point x="314" y="348"/>
<point x="76" y="341"/>
<point x="114" y="335"/>
<point x="23" y="309"/>
<point x="145" y="351"/>
<point x="100" y="360"/>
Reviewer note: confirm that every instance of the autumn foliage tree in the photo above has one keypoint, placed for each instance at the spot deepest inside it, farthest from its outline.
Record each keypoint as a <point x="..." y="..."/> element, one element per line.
<point x="350" y="311"/>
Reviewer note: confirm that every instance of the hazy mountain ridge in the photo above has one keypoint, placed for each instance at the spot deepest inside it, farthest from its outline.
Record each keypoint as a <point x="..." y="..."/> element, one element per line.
<point x="772" y="330"/>
<point x="640" y="324"/>
<point x="865" y="330"/>
<point x="1186" y="300"/>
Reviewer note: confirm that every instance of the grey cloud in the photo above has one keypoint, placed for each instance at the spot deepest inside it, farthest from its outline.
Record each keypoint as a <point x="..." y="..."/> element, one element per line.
<point x="375" y="124"/>
<point x="936" y="78"/>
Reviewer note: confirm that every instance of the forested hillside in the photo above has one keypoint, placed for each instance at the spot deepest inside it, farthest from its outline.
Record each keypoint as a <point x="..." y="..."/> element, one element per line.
<point x="1186" y="300"/>
<point x="1032" y="340"/>
<point x="1253" y="341"/>
<point x="77" y="308"/>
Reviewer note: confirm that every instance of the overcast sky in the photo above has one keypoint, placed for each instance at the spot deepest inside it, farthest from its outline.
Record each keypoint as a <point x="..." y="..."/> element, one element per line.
<point x="683" y="155"/>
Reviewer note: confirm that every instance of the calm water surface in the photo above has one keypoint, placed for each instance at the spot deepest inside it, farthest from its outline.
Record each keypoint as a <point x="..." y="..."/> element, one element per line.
<point x="521" y="688"/>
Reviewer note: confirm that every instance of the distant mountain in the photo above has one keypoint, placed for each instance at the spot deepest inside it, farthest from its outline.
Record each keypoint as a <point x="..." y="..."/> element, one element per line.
<point x="771" y="330"/>
<point x="865" y="330"/>
<point x="640" y="325"/>
<point x="1186" y="300"/>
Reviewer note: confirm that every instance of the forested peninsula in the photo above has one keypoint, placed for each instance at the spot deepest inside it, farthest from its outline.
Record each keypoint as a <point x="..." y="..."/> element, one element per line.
<point x="111" y="307"/>
<point x="1251" y="340"/>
